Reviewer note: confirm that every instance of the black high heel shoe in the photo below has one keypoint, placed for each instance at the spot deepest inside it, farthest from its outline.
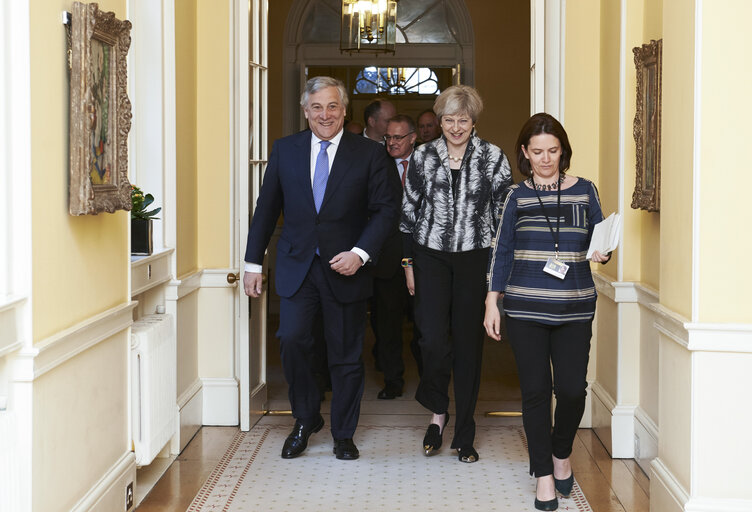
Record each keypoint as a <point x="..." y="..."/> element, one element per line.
<point x="433" y="438"/>
<point x="564" y="486"/>
<point x="546" y="505"/>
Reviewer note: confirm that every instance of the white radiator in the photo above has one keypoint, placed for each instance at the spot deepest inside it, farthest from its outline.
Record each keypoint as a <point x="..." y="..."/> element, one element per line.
<point x="153" y="385"/>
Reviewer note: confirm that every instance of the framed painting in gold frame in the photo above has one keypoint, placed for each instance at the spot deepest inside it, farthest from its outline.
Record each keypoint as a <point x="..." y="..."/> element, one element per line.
<point x="647" y="126"/>
<point x="100" y="112"/>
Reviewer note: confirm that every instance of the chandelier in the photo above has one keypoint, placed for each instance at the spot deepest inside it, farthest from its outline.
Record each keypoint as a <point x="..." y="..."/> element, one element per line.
<point x="368" y="26"/>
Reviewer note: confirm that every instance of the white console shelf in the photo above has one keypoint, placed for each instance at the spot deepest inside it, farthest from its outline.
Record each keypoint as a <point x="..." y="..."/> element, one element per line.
<point x="150" y="271"/>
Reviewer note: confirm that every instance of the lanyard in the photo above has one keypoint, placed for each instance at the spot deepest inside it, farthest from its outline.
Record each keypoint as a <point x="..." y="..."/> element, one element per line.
<point x="558" y="214"/>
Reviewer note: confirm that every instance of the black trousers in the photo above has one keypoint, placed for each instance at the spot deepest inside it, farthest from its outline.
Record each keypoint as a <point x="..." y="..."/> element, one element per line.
<point x="450" y="289"/>
<point x="536" y="348"/>
<point x="387" y="311"/>
<point x="344" y="328"/>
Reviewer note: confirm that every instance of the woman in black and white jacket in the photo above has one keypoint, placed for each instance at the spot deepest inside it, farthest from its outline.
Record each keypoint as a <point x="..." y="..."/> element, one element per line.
<point x="450" y="204"/>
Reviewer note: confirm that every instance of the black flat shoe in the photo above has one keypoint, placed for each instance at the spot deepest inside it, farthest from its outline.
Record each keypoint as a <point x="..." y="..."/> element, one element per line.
<point x="345" y="449"/>
<point x="467" y="454"/>
<point x="297" y="441"/>
<point x="389" y="393"/>
<point x="432" y="439"/>
<point x="564" y="486"/>
<point x="546" y="505"/>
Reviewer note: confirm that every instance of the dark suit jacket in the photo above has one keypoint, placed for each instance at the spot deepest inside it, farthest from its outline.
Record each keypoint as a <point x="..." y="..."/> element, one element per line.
<point x="360" y="208"/>
<point x="391" y="254"/>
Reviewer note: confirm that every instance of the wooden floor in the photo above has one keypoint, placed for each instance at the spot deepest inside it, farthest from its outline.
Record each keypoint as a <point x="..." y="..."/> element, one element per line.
<point x="609" y="485"/>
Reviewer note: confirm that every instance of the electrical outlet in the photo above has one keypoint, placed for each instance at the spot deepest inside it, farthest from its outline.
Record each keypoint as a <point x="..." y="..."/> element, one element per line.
<point x="129" y="497"/>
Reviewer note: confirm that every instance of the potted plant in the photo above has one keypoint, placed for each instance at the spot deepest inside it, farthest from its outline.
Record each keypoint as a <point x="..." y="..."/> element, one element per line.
<point x="141" y="221"/>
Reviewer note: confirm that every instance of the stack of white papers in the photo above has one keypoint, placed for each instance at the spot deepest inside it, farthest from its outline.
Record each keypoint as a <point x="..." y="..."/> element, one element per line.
<point x="605" y="235"/>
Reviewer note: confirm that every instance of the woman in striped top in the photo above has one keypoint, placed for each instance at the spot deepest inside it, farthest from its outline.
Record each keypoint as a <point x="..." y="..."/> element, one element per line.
<point x="538" y="266"/>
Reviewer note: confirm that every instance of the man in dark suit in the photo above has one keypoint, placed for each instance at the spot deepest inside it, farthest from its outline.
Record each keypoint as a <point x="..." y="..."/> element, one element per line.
<point x="340" y="199"/>
<point x="389" y="288"/>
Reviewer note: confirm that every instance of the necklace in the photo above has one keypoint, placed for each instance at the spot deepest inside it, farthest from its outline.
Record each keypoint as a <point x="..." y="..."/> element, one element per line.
<point x="550" y="186"/>
<point x="455" y="158"/>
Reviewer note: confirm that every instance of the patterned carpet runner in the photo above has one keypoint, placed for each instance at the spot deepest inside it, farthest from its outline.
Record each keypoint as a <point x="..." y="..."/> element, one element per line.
<point x="392" y="474"/>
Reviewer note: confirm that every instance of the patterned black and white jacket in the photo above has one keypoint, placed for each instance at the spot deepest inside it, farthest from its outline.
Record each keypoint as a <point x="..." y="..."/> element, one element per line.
<point x="438" y="219"/>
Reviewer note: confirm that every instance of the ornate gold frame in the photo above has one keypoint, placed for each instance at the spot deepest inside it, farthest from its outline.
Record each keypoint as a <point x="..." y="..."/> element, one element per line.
<point x="100" y="112"/>
<point x="647" y="126"/>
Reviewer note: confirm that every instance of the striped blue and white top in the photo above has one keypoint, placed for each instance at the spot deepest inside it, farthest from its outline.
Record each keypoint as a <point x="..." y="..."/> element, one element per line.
<point x="523" y="244"/>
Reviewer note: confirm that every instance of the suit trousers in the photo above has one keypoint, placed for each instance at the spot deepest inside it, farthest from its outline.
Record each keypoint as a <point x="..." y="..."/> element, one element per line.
<point x="537" y="347"/>
<point x="344" y="329"/>
<point x="387" y="311"/>
<point x="450" y="290"/>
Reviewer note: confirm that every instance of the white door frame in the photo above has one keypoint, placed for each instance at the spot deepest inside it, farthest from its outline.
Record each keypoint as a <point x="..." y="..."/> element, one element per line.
<point x="240" y="15"/>
<point x="547" y="44"/>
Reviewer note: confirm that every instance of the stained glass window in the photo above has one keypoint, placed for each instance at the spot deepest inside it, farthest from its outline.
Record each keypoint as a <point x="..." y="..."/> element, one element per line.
<point x="394" y="81"/>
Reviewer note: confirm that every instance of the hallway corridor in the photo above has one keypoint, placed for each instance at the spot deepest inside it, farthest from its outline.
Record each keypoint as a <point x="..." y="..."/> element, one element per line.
<point x="609" y="485"/>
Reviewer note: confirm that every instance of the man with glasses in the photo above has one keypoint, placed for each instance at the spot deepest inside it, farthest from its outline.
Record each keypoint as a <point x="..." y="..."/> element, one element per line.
<point x="389" y="289"/>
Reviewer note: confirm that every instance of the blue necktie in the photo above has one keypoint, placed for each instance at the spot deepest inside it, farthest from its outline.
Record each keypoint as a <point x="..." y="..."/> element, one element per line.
<point x="320" y="175"/>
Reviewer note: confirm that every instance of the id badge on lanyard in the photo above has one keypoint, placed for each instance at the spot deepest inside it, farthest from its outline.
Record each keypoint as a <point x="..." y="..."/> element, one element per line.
<point x="554" y="266"/>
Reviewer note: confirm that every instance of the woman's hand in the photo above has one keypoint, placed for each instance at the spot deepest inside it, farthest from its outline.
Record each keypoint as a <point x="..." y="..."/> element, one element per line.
<point x="410" y="279"/>
<point x="492" y="320"/>
<point x="600" y="258"/>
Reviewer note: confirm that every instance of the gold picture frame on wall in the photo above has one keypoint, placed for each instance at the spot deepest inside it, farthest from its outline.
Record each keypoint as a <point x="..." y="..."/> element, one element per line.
<point x="647" y="126"/>
<point x="100" y="112"/>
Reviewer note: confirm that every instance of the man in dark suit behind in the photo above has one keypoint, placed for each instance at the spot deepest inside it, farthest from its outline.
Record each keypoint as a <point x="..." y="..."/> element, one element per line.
<point x="339" y="196"/>
<point x="389" y="289"/>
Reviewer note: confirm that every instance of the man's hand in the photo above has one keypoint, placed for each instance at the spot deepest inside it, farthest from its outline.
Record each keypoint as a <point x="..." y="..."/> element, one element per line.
<point x="410" y="280"/>
<point x="253" y="283"/>
<point x="346" y="263"/>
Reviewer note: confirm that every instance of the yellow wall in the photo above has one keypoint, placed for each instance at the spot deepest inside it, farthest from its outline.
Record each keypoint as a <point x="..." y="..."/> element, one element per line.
<point x="85" y="257"/>
<point x="214" y="175"/>
<point x="186" y="136"/>
<point x="647" y="270"/>
<point x="676" y="156"/>
<point x="726" y="39"/>
<point x="582" y="86"/>
<point x="502" y="69"/>
<point x="607" y="178"/>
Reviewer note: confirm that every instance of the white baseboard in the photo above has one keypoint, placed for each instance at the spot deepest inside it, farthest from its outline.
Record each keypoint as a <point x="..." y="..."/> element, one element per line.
<point x="108" y="493"/>
<point x="665" y="490"/>
<point x="614" y="424"/>
<point x="190" y="416"/>
<point x="717" y="505"/>
<point x="623" y="431"/>
<point x="220" y="402"/>
<point x="646" y="440"/>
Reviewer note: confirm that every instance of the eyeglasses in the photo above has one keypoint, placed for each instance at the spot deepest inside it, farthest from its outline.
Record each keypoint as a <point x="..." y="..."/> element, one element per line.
<point x="396" y="138"/>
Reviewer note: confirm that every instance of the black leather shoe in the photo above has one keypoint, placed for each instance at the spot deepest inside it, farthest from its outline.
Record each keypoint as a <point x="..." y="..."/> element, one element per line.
<point x="345" y="449"/>
<point x="389" y="393"/>
<point x="546" y="505"/>
<point x="433" y="438"/>
<point x="564" y="486"/>
<point x="297" y="441"/>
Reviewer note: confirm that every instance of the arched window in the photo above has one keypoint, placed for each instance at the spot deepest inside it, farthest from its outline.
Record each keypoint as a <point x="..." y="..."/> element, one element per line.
<point x="394" y="81"/>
